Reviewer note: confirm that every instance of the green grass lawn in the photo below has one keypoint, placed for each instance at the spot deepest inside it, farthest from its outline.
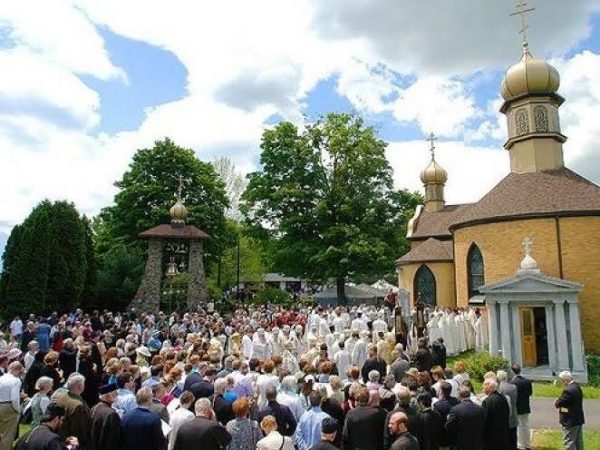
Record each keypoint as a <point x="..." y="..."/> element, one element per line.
<point x="552" y="439"/>
<point x="540" y="388"/>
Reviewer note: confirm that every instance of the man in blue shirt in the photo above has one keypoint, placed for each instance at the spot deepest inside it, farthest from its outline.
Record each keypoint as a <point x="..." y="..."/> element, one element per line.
<point x="125" y="401"/>
<point x="308" y="430"/>
<point x="142" y="428"/>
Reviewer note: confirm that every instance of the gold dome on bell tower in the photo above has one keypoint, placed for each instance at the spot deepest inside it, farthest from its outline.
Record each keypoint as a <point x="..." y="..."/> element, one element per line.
<point x="531" y="103"/>
<point x="434" y="178"/>
<point x="178" y="211"/>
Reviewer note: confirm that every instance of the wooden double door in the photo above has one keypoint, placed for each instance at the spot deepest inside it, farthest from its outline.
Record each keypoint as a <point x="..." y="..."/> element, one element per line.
<point x="534" y="337"/>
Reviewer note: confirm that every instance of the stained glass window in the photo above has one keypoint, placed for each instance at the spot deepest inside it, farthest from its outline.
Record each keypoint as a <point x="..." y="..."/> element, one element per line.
<point x="475" y="270"/>
<point x="425" y="286"/>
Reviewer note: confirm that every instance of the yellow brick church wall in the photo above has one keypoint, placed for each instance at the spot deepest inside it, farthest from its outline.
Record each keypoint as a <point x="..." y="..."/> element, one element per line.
<point x="501" y="246"/>
<point x="444" y="281"/>
<point x="580" y="238"/>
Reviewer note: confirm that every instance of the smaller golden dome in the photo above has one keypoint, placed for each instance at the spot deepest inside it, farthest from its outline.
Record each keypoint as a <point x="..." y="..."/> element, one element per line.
<point x="434" y="174"/>
<point x="178" y="212"/>
<point x="529" y="76"/>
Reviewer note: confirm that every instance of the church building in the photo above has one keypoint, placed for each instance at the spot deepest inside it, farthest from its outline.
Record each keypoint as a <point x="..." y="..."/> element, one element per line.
<point x="469" y="254"/>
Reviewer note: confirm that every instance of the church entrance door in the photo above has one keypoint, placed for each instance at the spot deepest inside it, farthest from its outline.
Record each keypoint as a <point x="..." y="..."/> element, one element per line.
<point x="528" y="337"/>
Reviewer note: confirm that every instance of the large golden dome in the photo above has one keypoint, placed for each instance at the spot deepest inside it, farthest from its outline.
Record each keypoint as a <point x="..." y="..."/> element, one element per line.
<point x="178" y="212"/>
<point x="434" y="174"/>
<point x="529" y="76"/>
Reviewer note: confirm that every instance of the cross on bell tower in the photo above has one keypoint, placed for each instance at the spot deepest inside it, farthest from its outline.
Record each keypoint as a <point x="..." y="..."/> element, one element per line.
<point x="522" y="10"/>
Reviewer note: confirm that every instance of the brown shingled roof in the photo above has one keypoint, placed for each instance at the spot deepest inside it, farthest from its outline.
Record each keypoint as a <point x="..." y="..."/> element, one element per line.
<point x="552" y="192"/>
<point x="429" y="251"/>
<point x="436" y="224"/>
<point x="169" y="232"/>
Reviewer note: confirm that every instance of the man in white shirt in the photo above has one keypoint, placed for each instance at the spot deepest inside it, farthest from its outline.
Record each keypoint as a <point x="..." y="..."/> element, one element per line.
<point x="180" y="416"/>
<point x="10" y="389"/>
<point x="16" y="328"/>
<point x="32" y="348"/>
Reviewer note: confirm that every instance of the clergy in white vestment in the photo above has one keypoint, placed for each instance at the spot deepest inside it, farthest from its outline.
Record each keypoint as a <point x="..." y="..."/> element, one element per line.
<point x="359" y="353"/>
<point x="276" y="342"/>
<point x="351" y="342"/>
<point x="247" y="345"/>
<point x="342" y="360"/>
<point x="379" y="325"/>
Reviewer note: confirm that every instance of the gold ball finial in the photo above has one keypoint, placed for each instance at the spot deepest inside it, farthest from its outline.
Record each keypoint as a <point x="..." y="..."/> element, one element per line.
<point x="178" y="213"/>
<point x="433" y="173"/>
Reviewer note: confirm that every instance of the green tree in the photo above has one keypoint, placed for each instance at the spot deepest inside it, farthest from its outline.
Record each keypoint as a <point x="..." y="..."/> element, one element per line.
<point x="46" y="262"/>
<point x="147" y="192"/>
<point x="325" y="197"/>
<point x="119" y="275"/>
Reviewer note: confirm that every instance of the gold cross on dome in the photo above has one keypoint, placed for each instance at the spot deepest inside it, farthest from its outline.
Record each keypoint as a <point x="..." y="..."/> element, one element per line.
<point x="180" y="189"/>
<point x="522" y="9"/>
<point x="432" y="138"/>
<point x="527" y="243"/>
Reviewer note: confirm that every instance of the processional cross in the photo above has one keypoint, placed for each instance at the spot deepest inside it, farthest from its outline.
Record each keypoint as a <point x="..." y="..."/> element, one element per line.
<point x="432" y="138"/>
<point x="522" y="10"/>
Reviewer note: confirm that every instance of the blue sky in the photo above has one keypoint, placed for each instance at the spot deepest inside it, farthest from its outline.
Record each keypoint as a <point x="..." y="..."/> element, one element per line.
<point x="76" y="101"/>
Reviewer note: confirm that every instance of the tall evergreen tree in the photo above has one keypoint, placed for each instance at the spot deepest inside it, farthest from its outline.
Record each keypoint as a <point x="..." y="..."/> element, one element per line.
<point x="46" y="262"/>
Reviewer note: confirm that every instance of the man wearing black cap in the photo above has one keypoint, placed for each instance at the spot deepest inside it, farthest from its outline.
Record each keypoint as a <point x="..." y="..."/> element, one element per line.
<point x="44" y="436"/>
<point x="329" y="428"/>
<point x="106" y="423"/>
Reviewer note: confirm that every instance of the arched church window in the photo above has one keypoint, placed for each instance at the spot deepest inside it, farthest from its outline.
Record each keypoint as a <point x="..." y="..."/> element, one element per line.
<point x="424" y="284"/>
<point x="540" y="114"/>
<point x="522" y="122"/>
<point x="475" y="270"/>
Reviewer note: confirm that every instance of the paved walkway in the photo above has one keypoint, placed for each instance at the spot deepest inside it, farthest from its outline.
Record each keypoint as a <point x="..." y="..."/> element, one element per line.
<point x="544" y="415"/>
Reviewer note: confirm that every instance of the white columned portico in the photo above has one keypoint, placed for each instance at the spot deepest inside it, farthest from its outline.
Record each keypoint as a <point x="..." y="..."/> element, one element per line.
<point x="575" y="327"/>
<point x="551" y="335"/>
<point x="528" y="294"/>
<point x="505" y="330"/>
<point x="561" y="335"/>
<point x="516" y="327"/>
<point x="493" y="327"/>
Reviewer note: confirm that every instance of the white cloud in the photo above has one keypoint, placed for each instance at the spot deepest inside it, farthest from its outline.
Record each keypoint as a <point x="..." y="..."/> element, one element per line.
<point x="472" y="171"/>
<point x="59" y="34"/>
<point x="249" y="60"/>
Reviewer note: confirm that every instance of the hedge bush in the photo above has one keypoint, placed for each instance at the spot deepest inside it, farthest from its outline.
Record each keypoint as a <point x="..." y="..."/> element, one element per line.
<point x="593" y="362"/>
<point x="481" y="362"/>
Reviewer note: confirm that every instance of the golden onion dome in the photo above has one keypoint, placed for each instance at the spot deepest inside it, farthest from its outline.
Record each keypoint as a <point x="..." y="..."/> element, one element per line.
<point x="434" y="173"/>
<point x="529" y="76"/>
<point x="178" y="212"/>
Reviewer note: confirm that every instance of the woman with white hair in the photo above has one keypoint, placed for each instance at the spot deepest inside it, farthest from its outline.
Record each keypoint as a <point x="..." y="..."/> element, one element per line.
<point x="288" y="396"/>
<point x="41" y="399"/>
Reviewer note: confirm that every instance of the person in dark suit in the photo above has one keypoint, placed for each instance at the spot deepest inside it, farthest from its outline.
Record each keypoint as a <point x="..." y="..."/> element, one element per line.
<point x="142" y="428"/>
<point x="415" y="426"/>
<point x="221" y="407"/>
<point x="465" y="423"/>
<point x="432" y="422"/>
<point x="106" y="423"/>
<point x="438" y="352"/>
<point x="524" y="392"/>
<point x="403" y="440"/>
<point x="497" y="412"/>
<point x="443" y="406"/>
<point x="374" y="362"/>
<point x="570" y="410"/>
<point x="203" y="431"/>
<point x="45" y="435"/>
<point x="204" y="388"/>
<point x="329" y="429"/>
<point x="286" y="424"/>
<point x="423" y="359"/>
<point x="363" y="424"/>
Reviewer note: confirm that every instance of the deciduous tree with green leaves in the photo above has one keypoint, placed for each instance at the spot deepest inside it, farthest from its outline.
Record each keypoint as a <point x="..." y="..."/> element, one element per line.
<point x="147" y="192"/>
<point x="325" y="196"/>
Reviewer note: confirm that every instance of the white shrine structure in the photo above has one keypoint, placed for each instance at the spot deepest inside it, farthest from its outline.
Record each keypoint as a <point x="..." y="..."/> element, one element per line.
<point x="534" y="321"/>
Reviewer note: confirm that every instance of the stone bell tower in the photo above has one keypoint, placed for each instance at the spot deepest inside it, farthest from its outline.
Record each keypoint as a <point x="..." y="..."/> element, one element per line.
<point x="174" y="275"/>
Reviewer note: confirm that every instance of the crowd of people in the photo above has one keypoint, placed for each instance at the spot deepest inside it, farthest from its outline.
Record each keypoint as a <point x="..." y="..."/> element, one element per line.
<point x="261" y="377"/>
